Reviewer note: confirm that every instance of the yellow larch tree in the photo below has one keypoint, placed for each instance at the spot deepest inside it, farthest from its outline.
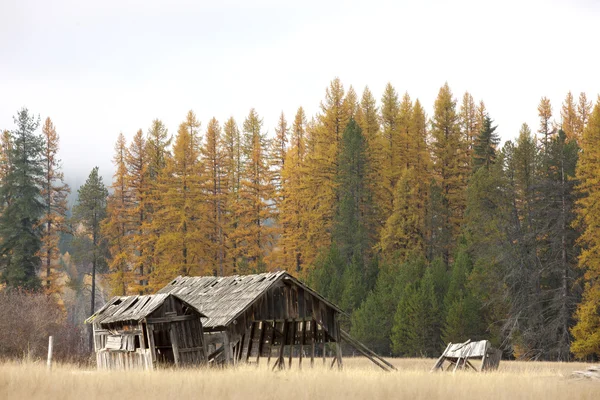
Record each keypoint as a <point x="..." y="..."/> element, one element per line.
<point x="116" y="227"/>
<point x="405" y="132"/>
<point x="421" y="165"/>
<point x="422" y="158"/>
<point x="256" y="197"/>
<point x="367" y="117"/>
<point x="481" y="114"/>
<point x="586" y="331"/>
<point x="570" y="120"/>
<point x="138" y="182"/>
<point x="277" y="156"/>
<point x="390" y="110"/>
<point x="584" y="109"/>
<point x="158" y="153"/>
<point x="213" y="159"/>
<point x="351" y="102"/>
<point x="54" y="194"/>
<point x="404" y="231"/>
<point x="231" y="184"/>
<point x="449" y="164"/>
<point x="292" y="214"/>
<point x="546" y="129"/>
<point x="469" y="123"/>
<point x="177" y="217"/>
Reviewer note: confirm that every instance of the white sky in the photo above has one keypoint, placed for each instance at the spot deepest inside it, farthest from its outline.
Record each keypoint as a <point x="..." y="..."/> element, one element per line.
<point x="113" y="66"/>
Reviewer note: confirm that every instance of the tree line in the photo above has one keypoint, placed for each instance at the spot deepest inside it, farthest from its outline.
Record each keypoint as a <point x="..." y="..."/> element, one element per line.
<point x="422" y="228"/>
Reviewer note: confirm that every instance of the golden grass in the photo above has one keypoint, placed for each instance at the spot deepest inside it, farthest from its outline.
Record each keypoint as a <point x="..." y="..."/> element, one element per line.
<point x="358" y="380"/>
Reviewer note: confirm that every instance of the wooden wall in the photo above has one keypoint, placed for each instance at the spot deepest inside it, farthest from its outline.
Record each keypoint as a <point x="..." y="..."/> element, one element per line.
<point x="171" y="335"/>
<point x="286" y="321"/>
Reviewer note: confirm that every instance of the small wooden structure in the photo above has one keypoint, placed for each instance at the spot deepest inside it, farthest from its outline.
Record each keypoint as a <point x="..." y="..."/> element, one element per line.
<point x="141" y="332"/>
<point x="480" y="356"/>
<point x="265" y="316"/>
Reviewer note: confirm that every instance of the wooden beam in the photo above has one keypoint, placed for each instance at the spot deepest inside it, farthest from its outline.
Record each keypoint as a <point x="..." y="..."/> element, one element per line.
<point x="174" y="343"/>
<point x="280" y="363"/>
<point x="364" y="350"/>
<point x="338" y="344"/>
<point x="485" y="350"/>
<point x="227" y="349"/>
<point x="150" y="331"/>
<point x="174" y="318"/>
<point x="247" y="342"/>
<point x="312" y="343"/>
<point x="292" y="334"/>
<point x="271" y="339"/>
<point x="301" y="340"/>
<point x="261" y="337"/>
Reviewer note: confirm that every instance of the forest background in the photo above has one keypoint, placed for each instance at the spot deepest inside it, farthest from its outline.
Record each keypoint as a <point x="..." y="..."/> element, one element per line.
<point x="421" y="227"/>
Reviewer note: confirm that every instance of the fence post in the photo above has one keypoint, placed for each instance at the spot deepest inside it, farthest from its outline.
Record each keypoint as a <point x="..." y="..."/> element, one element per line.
<point x="50" y="345"/>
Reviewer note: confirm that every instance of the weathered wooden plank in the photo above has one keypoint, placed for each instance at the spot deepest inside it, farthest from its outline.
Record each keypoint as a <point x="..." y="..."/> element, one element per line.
<point x="227" y="349"/>
<point x="247" y="341"/>
<point x="291" y="341"/>
<point x="312" y="344"/>
<point x="174" y="343"/>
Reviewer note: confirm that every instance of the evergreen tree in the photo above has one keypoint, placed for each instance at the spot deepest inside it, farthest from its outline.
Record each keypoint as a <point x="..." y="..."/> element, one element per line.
<point x="351" y="223"/>
<point x="462" y="309"/>
<point x="416" y="329"/>
<point x="54" y="193"/>
<point x="485" y="145"/>
<point x="23" y="207"/>
<point x="379" y="308"/>
<point x="354" y="216"/>
<point x="88" y="213"/>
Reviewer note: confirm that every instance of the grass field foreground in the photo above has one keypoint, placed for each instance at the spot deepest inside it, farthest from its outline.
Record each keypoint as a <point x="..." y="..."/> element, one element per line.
<point x="358" y="380"/>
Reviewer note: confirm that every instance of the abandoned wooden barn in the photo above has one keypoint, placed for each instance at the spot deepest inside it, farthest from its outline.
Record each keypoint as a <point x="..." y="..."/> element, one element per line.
<point x="140" y="332"/>
<point x="269" y="315"/>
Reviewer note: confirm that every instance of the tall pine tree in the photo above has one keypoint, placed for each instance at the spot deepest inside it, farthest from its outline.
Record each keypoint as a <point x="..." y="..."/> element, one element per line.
<point x="23" y="208"/>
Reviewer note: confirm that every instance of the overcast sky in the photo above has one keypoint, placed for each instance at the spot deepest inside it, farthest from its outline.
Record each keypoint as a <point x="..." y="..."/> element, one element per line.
<point x="104" y="67"/>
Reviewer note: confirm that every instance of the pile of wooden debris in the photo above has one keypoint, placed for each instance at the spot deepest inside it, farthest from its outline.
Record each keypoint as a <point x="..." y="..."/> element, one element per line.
<point x="592" y="372"/>
<point x="478" y="356"/>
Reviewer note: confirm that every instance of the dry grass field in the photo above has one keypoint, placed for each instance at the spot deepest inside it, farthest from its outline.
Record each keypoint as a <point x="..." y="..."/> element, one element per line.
<point x="358" y="380"/>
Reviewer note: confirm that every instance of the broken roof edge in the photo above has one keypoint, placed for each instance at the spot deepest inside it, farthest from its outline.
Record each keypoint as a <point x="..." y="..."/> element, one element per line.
<point x="280" y="275"/>
<point x="91" y="318"/>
